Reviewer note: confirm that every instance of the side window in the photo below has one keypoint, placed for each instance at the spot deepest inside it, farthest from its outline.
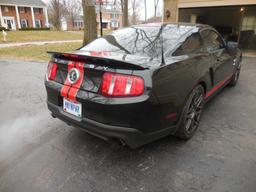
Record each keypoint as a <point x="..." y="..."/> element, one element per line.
<point x="212" y="40"/>
<point x="193" y="44"/>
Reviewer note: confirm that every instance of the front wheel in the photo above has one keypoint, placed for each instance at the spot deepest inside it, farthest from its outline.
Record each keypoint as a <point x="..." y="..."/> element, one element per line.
<point x="235" y="78"/>
<point x="191" y="113"/>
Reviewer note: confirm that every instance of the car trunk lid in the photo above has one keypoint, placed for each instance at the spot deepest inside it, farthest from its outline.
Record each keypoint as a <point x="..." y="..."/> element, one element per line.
<point x="92" y="67"/>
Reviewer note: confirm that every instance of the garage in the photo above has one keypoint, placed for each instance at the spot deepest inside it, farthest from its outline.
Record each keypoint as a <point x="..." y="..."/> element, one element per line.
<point x="235" y="23"/>
<point x="234" y="19"/>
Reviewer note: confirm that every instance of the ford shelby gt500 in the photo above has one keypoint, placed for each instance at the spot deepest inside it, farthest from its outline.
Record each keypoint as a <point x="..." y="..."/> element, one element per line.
<point x="143" y="82"/>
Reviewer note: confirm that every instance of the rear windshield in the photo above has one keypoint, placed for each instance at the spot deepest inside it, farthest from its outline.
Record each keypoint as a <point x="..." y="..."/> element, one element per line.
<point x="148" y="41"/>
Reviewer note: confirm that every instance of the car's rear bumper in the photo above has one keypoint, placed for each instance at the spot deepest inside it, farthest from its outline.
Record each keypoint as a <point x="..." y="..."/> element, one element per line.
<point x="131" y="136"/>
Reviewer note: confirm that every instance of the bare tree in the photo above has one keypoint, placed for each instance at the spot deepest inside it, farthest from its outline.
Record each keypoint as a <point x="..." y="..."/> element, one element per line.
<point x="156" y="2"/>
<point x="125" y="14"/>
<point x="124" y="7"/>
<point x="90" y="23"/>
<point x="145" y="6"/>
<point x="135" y="7"/>
<point x="73" y="9"/>
<point x="55" y="13"/>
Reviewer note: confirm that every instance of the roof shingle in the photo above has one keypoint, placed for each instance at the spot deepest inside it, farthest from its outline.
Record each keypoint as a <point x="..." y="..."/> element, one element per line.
<point x="38" y="3"/>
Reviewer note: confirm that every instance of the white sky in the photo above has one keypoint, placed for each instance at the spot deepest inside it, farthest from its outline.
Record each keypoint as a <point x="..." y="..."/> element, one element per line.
<point x="150" y="8"/>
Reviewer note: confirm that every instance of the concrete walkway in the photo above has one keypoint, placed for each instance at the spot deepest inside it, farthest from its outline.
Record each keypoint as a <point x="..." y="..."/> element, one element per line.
<point x="5" y="45"/>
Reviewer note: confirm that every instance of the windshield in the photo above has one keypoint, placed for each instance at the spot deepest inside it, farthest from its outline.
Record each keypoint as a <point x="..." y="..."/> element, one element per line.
<point x="148" y="41"/>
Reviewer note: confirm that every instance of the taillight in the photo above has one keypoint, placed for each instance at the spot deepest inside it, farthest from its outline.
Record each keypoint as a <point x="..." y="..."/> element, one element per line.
<point x="118" y="85"/>
<point x="52" y="70"/>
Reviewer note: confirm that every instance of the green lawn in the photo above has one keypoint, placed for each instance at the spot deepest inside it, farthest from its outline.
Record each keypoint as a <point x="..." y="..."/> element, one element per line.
<point x="105" y="31"/>
<point x="27" y="36"/>
<point x="35" y="52"/>
<point x="38" y="52"/>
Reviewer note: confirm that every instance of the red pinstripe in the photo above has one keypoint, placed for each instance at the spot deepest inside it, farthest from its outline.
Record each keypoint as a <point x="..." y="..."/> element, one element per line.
<point x="75" y="87"/>
<point x="66" y="86"/>
<point x="216" y="87"/>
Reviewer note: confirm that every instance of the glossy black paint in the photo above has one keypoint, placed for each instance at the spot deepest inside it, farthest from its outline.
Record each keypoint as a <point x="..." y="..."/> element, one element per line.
<point x="170" y="75"/>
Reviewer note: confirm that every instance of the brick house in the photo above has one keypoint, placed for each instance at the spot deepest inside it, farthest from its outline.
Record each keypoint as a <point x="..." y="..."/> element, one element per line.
<point x="111" y="19"/>
<point x="17" y="14"/>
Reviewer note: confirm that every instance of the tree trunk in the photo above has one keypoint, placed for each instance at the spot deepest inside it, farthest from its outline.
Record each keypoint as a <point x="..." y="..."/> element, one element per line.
<point x="155" y="6"/>
<point x="90" y="24"/>
<point x="145" y="2"/>
<point x="125" y="13"/>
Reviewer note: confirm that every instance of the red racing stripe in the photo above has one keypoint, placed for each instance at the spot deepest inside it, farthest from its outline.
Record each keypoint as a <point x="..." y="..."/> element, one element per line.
<point x="75" y="87"/>
<point x="216" y="87"/>
<point x="67" y="85"/>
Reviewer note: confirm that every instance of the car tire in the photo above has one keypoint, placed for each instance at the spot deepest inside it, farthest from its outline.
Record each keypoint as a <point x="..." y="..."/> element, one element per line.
<point x="235" y="78"/>
<point x="191" y="114"/>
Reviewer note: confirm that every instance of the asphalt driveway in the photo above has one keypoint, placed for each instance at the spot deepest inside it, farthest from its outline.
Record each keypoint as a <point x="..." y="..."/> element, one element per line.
<point x="38" y="153"/>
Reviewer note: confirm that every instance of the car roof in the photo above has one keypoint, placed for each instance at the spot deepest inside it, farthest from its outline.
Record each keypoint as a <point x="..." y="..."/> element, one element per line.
<point x="197" y="25"/>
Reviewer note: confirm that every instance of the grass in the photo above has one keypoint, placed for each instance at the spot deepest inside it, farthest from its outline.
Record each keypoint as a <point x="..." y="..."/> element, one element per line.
<point x="105" y="31"/>
<point x="27" y="36"/>
<point x="36" y="52"/>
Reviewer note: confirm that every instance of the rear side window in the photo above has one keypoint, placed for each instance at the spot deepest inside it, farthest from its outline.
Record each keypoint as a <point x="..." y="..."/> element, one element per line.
<point x="193" y="44"/>
<point x="212" y="40"/>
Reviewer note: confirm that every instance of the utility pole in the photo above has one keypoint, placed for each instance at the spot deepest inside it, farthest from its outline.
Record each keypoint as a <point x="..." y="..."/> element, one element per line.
<point x="101" y="27"/>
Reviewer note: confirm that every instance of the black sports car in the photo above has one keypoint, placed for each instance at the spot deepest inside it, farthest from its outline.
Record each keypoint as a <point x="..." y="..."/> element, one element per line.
<point x="141" y="83"/>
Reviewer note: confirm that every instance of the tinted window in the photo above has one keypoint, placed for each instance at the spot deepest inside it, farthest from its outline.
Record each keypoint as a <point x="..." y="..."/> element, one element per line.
<point x="139" y="41"/>
<point x="142" y="40"/>
<point x="212" y="40"/>
<point x="192" y="44"/>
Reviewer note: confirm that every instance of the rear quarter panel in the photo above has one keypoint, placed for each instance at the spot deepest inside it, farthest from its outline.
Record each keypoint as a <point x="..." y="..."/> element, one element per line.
<point x="173" y="82"/>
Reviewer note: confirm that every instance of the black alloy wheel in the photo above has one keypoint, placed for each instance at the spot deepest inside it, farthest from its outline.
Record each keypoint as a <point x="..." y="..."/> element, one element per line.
<point x="192" y="113"/>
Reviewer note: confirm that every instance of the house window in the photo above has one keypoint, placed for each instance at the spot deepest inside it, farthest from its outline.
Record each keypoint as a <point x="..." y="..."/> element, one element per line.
<point x="6" y="9"/>
<point x="114" y="16"/>
<point x="23" y="23"/>
<point x="114" y="24"/>
<point x="104" y="25"/>
<point x="22" y="9"/>
<point x="38" y="23"/>
<point x="36" y="10"/>
<point x="249" y="23"/>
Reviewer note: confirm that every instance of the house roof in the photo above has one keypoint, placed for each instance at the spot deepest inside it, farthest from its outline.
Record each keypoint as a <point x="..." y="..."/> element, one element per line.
<point x="36" y="3"/>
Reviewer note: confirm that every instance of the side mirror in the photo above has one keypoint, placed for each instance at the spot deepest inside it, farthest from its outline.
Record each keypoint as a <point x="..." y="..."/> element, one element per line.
<point x="232" y="45"/>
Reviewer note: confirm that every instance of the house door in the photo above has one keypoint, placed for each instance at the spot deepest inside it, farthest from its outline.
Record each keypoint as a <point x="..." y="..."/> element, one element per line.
<point x="10" y="23"/>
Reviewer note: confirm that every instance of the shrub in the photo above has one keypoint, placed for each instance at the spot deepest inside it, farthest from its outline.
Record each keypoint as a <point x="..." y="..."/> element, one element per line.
<point x="3" y="28"/>
<point x="35" y="29"/>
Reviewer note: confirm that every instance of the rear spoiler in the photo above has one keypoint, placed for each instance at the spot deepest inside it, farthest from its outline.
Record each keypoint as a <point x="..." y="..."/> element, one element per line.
<point x="101" y="61"/>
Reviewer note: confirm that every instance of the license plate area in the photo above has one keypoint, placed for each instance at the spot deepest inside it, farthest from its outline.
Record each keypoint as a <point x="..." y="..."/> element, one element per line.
<point x="72" y="107"/>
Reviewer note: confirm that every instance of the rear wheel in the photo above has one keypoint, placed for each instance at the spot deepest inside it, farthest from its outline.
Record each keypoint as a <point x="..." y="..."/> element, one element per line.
<point x="191" y="113"/>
